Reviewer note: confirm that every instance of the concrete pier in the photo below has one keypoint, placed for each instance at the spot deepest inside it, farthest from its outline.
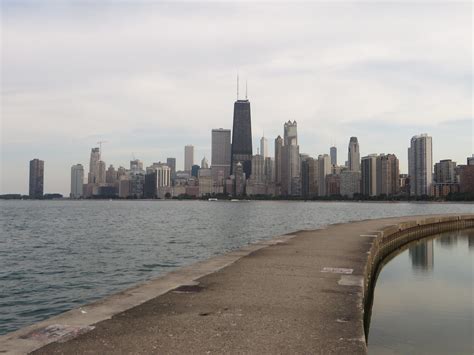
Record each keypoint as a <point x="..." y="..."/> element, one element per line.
<point x="299" y="293"/>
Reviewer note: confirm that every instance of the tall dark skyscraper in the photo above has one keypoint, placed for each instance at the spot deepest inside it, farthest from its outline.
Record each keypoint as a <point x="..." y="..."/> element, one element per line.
<point x="242" y="137"/>
<point x="171" y="162"/>
<point x="36" y="178"/>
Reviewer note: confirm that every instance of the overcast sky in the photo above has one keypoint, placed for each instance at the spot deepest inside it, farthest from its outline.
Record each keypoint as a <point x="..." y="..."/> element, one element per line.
<point x="151" y="77"/>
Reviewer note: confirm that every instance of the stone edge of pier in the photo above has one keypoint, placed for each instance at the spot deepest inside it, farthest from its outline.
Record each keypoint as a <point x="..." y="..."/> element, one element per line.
<point x="392" y="235"/>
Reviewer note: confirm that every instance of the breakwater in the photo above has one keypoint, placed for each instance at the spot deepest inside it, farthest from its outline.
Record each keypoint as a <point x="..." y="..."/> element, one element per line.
<point x="393" y="237"/>
<point x="299" y="293"/>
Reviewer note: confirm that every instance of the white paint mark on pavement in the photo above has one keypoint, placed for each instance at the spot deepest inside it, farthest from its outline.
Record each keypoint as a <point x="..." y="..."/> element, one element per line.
<point x="337" y="270"/>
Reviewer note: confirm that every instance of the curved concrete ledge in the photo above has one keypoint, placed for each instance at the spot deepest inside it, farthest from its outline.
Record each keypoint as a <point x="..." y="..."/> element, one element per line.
<point x="299" y="293"/>
<point x="392" y="238"/>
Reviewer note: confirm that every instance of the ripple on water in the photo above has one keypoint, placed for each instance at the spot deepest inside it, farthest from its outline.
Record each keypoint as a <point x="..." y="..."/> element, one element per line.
<point x="78" y="251"/>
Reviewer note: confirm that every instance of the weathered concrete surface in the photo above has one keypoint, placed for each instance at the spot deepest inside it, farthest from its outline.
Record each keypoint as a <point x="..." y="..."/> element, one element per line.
<point x="295" y="294"/>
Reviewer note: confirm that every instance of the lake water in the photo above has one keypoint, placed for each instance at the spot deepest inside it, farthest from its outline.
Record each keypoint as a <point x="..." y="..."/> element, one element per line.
<point x="424" y="298"/>
<point x="57" y="255"/>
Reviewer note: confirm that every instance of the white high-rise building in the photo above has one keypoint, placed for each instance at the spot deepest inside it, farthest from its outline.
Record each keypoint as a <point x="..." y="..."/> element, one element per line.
<point x="220" y="155"/>
<point x="77" y="181"/>
<point x="354" y="155"/>
<point x="136" y="166"/>
<point x="420" y="165"/>
<point x="93" y="175"/>
<point x="204" y="163"/>
<point x="264" y="147"/>
<point x="163" y="176"/>
<point x="258" y="168"/>
<point x="101" y="176"/>
<point x="290" y="160"/>
<point x="188" y="158"/>
<point x="324" y="165"/>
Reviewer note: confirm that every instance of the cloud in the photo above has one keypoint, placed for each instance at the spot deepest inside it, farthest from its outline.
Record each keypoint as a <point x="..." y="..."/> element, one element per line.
<point x="151" y="77"/>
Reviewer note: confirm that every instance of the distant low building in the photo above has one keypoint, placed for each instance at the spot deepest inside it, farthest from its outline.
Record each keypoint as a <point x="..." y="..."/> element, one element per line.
<point x="466" y="183"/>
<point x="350" y="183"/>
<point x="205" y="182"/>
<point x="150" y="188"/>
<point x="124" y="187"/>
<point x="333" y="185"/>
<point x="444" y="189"/>
<point x="445" y="172"/>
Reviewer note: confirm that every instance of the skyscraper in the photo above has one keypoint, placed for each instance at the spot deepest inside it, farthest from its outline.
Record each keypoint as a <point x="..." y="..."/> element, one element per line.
<point x="278" y="152"/>
<point x="290" y="136"/>
<point x="239" y="180"/>
<point x="163" y="176"/>
<point x="204" y="163"/>
<point x="136" y="166"/>
<point x="242" y="137"/>
<point x="101" y="173"/>
<point x="36" y="178"/>
<point x="445" y="172"/>
<point x="388" y="175"/>
<point x="290" y="166"/>
<point x="188" y="158"/>
<point x="93" y="176"/>
<point x="369" y="175"/>
<point x="258" y="168"/>
<point x="333" y="154"/>
<point x="220" y="155"/>
<point x="171" y="162"/>
<point x="309" y="178"/>
<point x="420" y="165"/>
<point x="264" y="147"/>
<point x="324" y="169"/>
<point x="269" y="170"/>
<point x="111" y="175"/>
<point x="354" y="155"/>
<point x="150" y="187"/>
<point x="77" y="181"/>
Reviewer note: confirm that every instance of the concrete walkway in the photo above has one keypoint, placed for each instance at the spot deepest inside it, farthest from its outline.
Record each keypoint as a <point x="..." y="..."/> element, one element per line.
<point x="298" y="294"/>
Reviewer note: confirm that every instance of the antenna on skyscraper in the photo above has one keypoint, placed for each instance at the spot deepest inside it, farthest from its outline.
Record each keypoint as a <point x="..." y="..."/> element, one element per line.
<point x="245" y="89"/>
<point x="237" y="86"/>
<point x="100" y="147"/>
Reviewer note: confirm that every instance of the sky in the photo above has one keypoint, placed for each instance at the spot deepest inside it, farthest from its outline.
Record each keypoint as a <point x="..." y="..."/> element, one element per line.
<point x="150" y="77"/>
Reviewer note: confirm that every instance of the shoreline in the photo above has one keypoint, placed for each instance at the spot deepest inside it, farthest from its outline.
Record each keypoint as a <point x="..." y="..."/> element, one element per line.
<point x="251" y="200"/>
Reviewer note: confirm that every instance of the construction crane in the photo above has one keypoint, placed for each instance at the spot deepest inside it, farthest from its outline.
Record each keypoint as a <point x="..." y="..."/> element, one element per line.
<point x="100" y="147"/>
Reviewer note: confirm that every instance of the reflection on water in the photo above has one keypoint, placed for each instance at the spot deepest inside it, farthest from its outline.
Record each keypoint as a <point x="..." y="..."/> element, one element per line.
<point x="422" y="257"/>
<point x="423" y="307"/>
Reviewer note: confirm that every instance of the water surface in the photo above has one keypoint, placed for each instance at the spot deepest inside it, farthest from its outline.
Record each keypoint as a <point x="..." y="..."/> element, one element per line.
<point x="57" y="255"/>
<point x="424" y="298"/>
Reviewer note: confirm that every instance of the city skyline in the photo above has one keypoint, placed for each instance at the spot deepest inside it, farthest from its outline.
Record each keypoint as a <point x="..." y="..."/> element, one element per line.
<point x="97" y="166"/>
<point x="359" y="84"/>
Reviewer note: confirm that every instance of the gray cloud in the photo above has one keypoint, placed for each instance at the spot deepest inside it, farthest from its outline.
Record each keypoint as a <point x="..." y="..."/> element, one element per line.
<point x="150" y="77"/>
